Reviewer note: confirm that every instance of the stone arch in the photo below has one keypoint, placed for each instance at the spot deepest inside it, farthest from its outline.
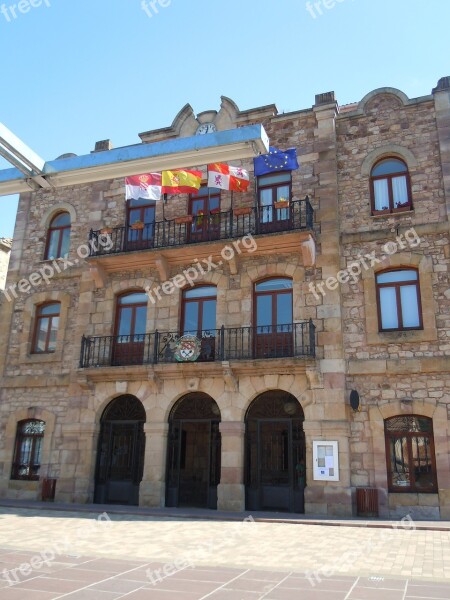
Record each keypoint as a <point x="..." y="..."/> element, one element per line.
<point x="29" y="312"/>
<point x="388" y="150"/>
<point x="54" y="210"/>
<point x="401" y="96"/>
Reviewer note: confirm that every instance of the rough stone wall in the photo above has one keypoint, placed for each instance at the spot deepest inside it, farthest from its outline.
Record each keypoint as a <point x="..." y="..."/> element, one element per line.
<point x="5" y="250"/>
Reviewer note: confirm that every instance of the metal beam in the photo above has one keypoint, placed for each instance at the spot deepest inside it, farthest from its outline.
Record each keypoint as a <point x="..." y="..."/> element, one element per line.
<point x="19" y="154"/>
<point x="223" y="146"/>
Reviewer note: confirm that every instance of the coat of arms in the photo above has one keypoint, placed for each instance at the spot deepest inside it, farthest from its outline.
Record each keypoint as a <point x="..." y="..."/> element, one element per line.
<point x="187" y="348"/>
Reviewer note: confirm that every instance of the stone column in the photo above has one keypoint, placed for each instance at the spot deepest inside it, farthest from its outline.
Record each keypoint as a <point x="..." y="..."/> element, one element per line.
<point x="152" y="490"/>
<point x="231" y="490"/>
<point x="441" y="95"/>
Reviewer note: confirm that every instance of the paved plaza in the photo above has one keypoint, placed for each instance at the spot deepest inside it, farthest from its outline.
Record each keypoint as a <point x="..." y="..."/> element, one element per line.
<point x="50" y="554"/>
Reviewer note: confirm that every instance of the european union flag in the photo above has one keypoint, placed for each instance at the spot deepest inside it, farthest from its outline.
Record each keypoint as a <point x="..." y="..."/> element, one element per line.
<point x="276" y="160"/>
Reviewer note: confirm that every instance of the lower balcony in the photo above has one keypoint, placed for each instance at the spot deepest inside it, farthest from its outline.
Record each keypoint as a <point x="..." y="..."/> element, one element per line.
<point x="224" y="344"/>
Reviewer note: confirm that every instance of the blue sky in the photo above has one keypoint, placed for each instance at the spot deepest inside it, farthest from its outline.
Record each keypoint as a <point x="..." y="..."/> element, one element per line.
<point x="80" y="71"/>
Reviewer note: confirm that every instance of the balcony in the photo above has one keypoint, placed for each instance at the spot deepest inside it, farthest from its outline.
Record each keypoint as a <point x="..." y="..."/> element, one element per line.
<point x="216" y="345"/>
<point x="297" y="216"/>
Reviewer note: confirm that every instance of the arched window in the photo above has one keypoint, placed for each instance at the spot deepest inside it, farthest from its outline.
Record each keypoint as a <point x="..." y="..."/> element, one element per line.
<point x="398" y="298"/>
<point x="46" y="328"/>
<point x="58" y="237"/>
<point x="27" y="452"/>
<point x="390" y="186"/>
<point x="273" y="318"/>
<point x="411" y="463"/>
<point x="131" y="342"/>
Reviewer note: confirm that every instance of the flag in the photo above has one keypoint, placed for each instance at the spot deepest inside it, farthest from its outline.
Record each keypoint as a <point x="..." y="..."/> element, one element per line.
<point x="276" y="160"/>
<point x="181" y="181"/>
<point x="146" y="186"/>
<point x="226" y="177"/>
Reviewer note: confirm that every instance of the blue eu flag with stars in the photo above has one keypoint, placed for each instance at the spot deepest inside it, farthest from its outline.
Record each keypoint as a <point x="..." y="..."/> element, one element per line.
<point x="276" y="160"/>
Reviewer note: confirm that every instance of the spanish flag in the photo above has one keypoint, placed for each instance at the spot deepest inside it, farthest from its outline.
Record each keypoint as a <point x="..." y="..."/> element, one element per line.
<point x="181" y="181"/>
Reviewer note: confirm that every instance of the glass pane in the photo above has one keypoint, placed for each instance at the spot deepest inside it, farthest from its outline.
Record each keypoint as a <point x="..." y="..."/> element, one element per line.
<point x="36" y="459"/>
<point x="134" y="215"/>
<point x="62" y="220"/>
<point x="209" y="315"/>
<point x="214" y="203"/>
<point x="266" y="210"/>
<point x="149" y="215"/>
<point x="381" y="191"/>
<point x="272" y="179"/>
<point x="400" y="191"/>
<point x="421" y="456"/>
<point x="284" y="312"/>
<point x="125" y="321"/>
<point x="399" y="462"/>
<point x="53" y="243"/>
<point x="191" y="317"/>
<point x="264" y="314"/>
<point x="140" y="324"/>
<point x="53" y="334"/>
<point x="198" y="206"/>
<point x="283" y="193"/>
<point x="394" y="276"/>
<point x="49" y="309"/>
<point x="205" y="191"/>
<point x="410" y="307"/>
<point x="274" y="284"/>
<point x="138" y="298"/>
<point x="41" y="334"/>
<point x="409" y="424"/>
<point x="25" y="453"/>
<point x="65" y="244"/>
<point x="389" y="166"/>
<point x="388" y="308"/>
<point x="201" y="292"/>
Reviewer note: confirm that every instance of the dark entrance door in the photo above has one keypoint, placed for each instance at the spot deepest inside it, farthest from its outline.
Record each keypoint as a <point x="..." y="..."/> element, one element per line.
<point x="193" y="457"/>
<point x="120" y="458"/>
<point x="275" y="454"/>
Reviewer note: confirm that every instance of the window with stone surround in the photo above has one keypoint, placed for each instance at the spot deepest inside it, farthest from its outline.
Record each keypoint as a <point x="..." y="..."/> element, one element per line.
<point x="411" y="463"/>
<point x="46" y="328"/>
<point x="390" y="187"/>
<point x="58" y="236"/>
<point x="398" y="300"/>
<point x="274" y="190"/>
<point x="27" y="451"/>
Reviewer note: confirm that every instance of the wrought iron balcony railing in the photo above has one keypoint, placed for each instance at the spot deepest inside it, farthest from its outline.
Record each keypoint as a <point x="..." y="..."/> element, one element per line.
<point x="235" y="343"/>
<point x="205" y="228"/>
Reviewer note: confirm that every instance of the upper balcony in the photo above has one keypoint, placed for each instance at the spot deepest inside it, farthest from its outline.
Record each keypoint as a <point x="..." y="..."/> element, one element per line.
<point x="207" y="233"/>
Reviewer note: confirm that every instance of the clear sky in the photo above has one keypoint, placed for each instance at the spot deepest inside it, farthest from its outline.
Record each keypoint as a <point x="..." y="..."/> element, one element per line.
<point x="78" y="71"/>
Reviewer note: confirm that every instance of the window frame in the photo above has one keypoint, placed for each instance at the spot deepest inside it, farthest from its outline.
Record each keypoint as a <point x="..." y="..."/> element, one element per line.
<point x="391" y="209"/>
<point x="38" y="317"/>
<point x="274" y="295"/>
<point x="273" y="186"/>
<point x="133" y="305"/>
<point x="410" y="435"/>
<point x="200" y="300"/>
<point x="60" y="229"/>
<point x="20" y="437"/>
<point x="397" y="285"/>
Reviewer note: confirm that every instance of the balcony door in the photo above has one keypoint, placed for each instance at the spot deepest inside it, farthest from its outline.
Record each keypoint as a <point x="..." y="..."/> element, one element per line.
<point x="131" y="320"/>
<point x="273" y="189"/>
<point x="273" y="318"/>
<point x="140" y="211"/>
<point x="199" y="318"/>
<point x="205" y="208"/>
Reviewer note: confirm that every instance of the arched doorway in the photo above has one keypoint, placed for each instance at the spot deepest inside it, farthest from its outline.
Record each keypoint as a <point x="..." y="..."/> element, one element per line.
<point x="275" y="466"/>
<point x="120" y="454"/>
<point x="193" y="454"/>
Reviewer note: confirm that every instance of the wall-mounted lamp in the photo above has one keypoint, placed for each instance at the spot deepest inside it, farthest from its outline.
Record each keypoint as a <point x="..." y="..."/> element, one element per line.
<point x="355" y="402"/>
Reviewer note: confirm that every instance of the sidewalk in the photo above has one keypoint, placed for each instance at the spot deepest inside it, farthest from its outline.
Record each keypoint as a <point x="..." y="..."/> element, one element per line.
<point x="215" y="515"/>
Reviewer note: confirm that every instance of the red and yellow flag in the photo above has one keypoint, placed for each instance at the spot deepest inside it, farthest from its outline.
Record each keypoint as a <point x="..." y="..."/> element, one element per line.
<point x="181" y="181"/>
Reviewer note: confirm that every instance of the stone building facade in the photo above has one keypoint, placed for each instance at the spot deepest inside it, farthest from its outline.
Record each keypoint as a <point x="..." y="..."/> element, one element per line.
<point x="5" y="251"/>
<point x="262" y="419"/>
